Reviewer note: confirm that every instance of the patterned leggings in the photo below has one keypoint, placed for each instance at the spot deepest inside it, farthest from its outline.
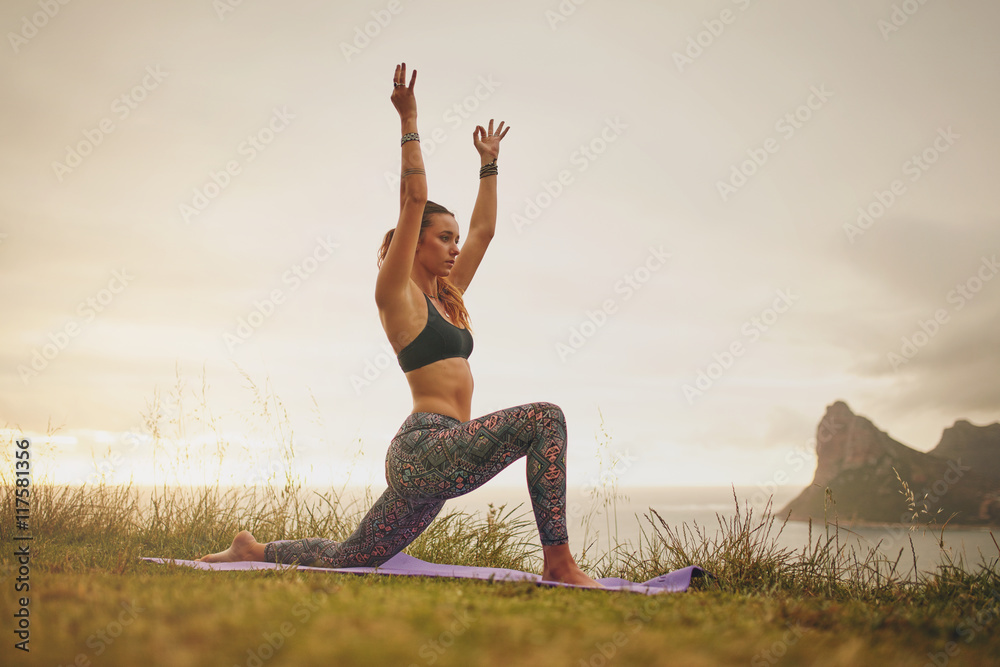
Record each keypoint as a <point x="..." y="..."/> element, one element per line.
<point x="434" y="457"/>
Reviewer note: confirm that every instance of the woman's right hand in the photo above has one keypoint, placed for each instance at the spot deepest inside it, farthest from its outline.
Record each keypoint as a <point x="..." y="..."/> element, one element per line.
<point x="402" y="96"/>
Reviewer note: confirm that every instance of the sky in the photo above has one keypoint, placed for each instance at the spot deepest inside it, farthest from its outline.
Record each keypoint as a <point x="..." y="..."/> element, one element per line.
<point x="715" y="219"/>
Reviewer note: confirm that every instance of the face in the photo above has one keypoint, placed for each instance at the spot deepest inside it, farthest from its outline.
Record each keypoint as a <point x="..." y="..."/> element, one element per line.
<point x="439" y="244"/>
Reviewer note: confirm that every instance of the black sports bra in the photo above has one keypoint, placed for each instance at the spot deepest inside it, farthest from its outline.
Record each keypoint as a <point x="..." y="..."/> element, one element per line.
<point x="440" y="339"/>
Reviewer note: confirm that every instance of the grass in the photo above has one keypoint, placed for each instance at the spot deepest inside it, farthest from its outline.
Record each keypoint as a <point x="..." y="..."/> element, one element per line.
<point x="811" y="607"/>
<point x="94" y="602"/>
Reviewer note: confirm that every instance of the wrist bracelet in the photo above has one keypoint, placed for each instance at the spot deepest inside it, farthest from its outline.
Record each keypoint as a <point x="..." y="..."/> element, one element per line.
<point x="488" y="169"/>
<point x="412" y="136"/>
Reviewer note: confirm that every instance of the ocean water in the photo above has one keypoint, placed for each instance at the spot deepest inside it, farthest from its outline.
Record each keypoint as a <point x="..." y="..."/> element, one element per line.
<point x="705" y="506"/>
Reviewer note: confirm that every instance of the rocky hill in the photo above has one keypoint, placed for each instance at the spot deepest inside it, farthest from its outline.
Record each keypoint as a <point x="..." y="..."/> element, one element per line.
<point x="856" y="462"/>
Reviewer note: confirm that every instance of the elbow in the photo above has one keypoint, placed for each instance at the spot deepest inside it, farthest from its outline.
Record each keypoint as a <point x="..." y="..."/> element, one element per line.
<point x="483" y="232"/>
<point x="415" y="194"/>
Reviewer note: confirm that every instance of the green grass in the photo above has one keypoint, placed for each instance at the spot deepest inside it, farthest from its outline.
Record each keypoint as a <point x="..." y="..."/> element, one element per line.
<point x="93" y="602"/>
<point x="817" y="606"/>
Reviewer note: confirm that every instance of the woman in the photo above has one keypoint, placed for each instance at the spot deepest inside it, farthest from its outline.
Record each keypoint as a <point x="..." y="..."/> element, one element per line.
<point x="439" y="452"/>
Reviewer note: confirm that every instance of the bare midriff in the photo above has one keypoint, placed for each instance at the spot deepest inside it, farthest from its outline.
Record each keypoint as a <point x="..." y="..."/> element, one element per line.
<point x="444" y="387"/>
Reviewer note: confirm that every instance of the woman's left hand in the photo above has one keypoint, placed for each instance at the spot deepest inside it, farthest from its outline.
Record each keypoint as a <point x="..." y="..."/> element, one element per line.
<point x="488" y="143"/>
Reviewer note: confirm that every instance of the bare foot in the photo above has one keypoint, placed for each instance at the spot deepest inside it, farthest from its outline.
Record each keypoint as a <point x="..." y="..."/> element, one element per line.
<point x="570" y="575"/>
<point x="559" y="566"/>
<point x="244" y="548"/>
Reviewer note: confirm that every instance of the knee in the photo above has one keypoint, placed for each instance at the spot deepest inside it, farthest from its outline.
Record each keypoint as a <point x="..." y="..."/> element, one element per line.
<point x="551" y="411"/>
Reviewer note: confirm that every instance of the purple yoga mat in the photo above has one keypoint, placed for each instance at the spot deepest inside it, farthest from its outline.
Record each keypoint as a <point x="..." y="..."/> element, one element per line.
<point x="403" y="564"/>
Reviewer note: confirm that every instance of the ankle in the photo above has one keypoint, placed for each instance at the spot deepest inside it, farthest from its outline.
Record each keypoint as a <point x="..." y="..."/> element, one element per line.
<point x="561" y="566"/>
<point x="557" y="553"/>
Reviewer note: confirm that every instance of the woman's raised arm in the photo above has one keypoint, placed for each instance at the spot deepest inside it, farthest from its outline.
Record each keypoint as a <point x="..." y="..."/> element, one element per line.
<point x="394" y="274"/>
<point x="483" y="223"/>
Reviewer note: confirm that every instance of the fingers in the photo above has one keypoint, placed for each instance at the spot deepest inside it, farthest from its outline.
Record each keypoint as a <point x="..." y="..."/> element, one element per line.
<point x="399" y="77"/>
<point x="500" y="132"/>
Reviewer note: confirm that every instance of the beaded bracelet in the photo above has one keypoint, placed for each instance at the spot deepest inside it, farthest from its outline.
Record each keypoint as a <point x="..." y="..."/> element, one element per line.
<point x="488" y="169"/>
<point x="412" y="136"/>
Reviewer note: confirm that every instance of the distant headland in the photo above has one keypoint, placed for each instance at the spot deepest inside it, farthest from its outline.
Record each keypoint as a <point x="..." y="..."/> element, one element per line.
<point x="858" y="463"/>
